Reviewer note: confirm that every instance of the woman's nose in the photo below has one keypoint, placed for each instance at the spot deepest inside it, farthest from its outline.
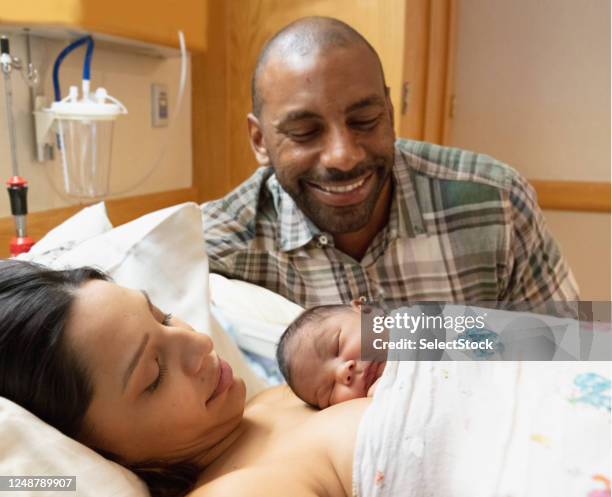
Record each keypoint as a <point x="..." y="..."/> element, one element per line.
<point x="196" y="349"/>
<point x="345" y="373"/>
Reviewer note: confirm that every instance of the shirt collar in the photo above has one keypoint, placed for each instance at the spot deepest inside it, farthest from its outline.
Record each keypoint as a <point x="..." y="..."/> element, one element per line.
<point x="295" y="229"/>
<point x="405" y="219"/>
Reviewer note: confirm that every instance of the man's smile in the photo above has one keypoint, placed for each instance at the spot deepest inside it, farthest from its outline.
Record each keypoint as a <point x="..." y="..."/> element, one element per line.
<point x="343" y="193"/>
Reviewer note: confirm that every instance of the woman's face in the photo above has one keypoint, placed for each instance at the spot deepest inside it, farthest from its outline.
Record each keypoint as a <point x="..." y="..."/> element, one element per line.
<point x="160" y="390"/>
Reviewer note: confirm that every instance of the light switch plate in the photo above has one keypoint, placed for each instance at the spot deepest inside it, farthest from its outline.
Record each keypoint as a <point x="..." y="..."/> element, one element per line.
<point x="160" y="108"/>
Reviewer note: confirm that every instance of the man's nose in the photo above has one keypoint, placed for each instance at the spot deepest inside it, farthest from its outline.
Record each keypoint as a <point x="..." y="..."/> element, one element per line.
<point x="342" y="150"/>
<point x="345" y="373"/>
<point x="195" y="351"/>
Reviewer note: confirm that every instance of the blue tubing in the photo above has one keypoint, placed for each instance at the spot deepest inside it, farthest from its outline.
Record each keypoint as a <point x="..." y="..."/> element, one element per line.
<point x="86" y="66"/>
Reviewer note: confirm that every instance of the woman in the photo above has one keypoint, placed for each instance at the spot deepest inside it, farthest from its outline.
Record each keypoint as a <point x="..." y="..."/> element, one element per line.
<point x="108" y="368"/>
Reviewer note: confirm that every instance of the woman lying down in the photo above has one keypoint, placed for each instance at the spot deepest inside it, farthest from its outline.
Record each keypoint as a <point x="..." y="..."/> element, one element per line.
<point x="105" y="366"/>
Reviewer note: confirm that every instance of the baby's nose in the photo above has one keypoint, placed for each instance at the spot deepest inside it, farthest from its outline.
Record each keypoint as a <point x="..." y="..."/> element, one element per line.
<point x="345" y="373"/>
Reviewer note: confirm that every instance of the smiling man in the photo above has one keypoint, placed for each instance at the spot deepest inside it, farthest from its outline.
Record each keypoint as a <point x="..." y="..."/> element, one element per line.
<point x="341" y="209"/>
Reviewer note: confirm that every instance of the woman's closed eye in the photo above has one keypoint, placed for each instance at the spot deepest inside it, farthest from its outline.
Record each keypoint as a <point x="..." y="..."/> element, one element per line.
<point x="162" y="369"/>
<point x="160" y="377"/>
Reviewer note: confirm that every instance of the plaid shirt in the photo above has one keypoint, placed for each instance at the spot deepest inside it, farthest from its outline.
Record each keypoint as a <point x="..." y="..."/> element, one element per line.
<point x="463" y="227"/>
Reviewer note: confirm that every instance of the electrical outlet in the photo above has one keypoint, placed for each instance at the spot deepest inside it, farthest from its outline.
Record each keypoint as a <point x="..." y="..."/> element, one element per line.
<point x="159" y="105"/>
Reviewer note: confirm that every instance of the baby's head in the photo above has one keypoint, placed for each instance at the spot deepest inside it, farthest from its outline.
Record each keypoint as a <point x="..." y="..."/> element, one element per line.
<point x="319" y="355"/>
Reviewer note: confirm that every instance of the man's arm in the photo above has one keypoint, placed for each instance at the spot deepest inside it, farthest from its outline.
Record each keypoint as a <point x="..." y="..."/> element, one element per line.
<point x="536" y="270"/>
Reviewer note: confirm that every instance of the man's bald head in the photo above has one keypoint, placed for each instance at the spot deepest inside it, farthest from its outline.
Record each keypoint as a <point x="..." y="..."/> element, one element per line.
<point x="303" y="37"/>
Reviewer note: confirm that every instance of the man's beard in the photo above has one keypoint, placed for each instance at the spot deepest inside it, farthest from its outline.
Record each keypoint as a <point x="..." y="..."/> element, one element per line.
<point x="339" y="219"/>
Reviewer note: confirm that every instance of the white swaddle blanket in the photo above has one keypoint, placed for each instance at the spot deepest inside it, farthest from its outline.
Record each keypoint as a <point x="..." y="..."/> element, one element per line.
<point x="485" y="429"/>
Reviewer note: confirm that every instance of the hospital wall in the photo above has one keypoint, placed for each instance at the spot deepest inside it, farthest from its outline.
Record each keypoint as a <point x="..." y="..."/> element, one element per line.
<point x="127" y="74"/>
<point x="532" y="88"/>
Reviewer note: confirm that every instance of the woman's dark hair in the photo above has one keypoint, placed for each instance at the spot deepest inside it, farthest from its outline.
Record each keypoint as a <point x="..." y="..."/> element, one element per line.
<point x="39" y="371"/>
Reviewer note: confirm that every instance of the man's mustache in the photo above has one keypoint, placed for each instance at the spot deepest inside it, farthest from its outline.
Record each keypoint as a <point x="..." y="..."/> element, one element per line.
<point x="332" y="175"/>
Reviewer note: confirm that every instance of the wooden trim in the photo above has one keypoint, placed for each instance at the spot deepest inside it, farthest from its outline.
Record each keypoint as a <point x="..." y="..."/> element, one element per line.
<point x="573" y="195"/>
<point x="449" y="88"/>
<point x="428" y="69"/>
<point x="210" y="130"/>
<point x="437" y="68"/>
<point x="152" y="21"/>
<point x="120" y="211"/>
<point x="414" y="78"/>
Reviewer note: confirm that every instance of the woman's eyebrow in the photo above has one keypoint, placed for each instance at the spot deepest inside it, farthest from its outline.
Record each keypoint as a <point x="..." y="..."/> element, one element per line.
<point x="138" y="354"/>
<point x="134" y="361"/>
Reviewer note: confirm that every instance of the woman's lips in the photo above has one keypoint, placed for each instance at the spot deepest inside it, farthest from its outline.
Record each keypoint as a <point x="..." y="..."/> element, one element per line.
<point x="226" y="378"/>
<point x="343" y="193"/>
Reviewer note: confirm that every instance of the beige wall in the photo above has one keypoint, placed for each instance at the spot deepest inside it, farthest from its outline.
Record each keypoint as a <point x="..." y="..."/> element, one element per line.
<point x="136" y="147"/>
<point x="532" y="88"/>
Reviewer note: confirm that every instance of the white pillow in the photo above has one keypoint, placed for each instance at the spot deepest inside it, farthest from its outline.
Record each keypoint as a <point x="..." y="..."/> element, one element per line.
<point x="87" y="223"/>
<point x="31" y="447"/>
<point x="256" y="316"/>
<point x="164" y="254"/>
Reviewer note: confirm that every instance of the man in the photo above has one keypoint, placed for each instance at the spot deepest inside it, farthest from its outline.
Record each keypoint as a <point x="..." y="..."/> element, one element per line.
<point x="340" y="209"/>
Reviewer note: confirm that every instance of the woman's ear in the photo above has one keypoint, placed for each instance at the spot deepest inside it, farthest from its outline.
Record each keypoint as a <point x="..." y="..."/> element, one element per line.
<point x="257" y="140"/>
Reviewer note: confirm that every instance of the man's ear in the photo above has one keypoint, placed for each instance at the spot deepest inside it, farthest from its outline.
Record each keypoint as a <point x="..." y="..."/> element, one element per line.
<point x="257" y="140"/>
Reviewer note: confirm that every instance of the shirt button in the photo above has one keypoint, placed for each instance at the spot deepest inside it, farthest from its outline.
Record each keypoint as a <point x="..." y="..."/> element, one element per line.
<point x="323" y="241"/>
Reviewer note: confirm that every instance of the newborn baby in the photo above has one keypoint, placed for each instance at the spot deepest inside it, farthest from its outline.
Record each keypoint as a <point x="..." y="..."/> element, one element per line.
<point x="319" y="355"/>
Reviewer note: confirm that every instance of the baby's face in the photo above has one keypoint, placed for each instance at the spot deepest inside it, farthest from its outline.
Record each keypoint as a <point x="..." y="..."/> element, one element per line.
<point x="326" y="365"/>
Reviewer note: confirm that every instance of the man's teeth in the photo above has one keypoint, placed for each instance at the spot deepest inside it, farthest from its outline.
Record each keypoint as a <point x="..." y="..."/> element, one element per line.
<point x="344" y="188"/>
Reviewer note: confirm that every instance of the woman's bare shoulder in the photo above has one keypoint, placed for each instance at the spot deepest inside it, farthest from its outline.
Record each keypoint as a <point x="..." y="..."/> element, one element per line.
<point x="255" y="482"/>
<point x="280" y="394"/>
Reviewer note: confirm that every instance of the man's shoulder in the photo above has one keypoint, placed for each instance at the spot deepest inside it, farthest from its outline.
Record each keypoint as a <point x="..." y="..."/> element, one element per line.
<point x="464" y="169"/>
<point x="237" y="212"/>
